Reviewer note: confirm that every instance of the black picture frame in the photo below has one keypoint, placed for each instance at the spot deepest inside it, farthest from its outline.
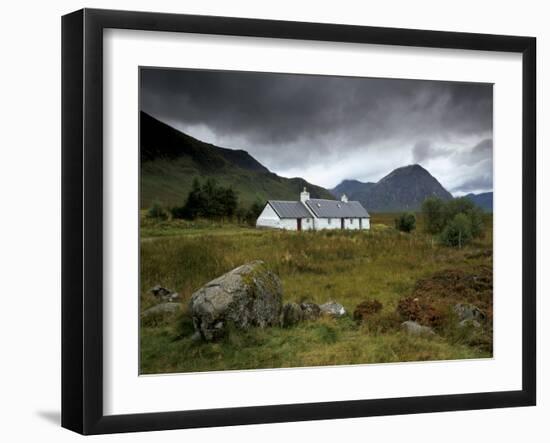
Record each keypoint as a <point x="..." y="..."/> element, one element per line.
<point x="82" y="218"/>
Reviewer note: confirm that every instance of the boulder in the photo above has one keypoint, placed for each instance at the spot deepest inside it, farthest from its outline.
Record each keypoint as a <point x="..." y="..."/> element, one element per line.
<point x="250" y="295"/>
<point x="292" y="314"/>
<point x="414" y="328"/>
<point x="310" y="311"/>
<point x="163" y="308"/>
<point x="333" y="309"/>
<point x="159" y="313"/>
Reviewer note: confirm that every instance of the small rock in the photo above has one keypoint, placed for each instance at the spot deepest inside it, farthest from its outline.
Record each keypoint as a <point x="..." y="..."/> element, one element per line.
<point x="468" y="312"/>
<point x="164" y="294"/>
<point x="159" y="291"/>
<point x="160" y="310"/>
<point x="172" y="297"/>
<point x="311" y="311"/>
<point x="413" y="328"/>
<point x="291" y="315"/>
<point x="333" y="309"/>
<point x="469" y="323"/>
<point x="196" y="337"/>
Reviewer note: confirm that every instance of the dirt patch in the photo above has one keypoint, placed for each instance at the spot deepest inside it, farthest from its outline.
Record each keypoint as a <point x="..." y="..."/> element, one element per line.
<point x="482" y="253"/>
<point x="421" y="310"/>
<point x="366" y="309"/>
<point x="458" y="286"/>
<point x="432" y="298"/>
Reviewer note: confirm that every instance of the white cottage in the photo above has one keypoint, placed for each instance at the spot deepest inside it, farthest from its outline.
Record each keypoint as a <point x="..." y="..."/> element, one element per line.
<point x="314" y="213"/>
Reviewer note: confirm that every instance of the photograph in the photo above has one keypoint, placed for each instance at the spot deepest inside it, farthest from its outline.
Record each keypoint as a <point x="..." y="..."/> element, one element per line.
<point x="301" y="220"/>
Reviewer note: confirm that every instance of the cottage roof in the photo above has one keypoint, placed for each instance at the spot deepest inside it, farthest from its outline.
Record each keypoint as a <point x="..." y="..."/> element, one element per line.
<point x="288" y="209"/>
<point x="336" y="208"/>
<point x="319" y="207"/>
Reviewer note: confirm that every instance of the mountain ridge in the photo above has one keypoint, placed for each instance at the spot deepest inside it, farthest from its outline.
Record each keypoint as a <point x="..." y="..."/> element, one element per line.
<point x="171" y="159"/>
<point x="484" y="200"/>
<point x="403" y="189"/>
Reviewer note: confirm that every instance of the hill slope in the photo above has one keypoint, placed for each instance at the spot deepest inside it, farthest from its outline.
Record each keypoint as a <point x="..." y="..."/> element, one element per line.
<point x="403" y="189"/>
<point x="170" y="160"/>
<point x="483" y="200"/>
<point x="351" y="187"/>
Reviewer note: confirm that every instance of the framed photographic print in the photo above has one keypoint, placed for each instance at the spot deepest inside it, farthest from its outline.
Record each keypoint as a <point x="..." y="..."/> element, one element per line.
<point x="269" y="221"/>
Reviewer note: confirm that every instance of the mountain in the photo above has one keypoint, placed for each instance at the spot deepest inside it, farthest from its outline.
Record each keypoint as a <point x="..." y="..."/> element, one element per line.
<point x="170" y="160"/>
<point x="351" y="187"/>
<point x="483" y="200"/>
<point x="403" y="189"/>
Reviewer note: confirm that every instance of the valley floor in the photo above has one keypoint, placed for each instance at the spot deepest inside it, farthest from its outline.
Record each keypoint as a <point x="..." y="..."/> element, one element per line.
<point x="342" y="266"/>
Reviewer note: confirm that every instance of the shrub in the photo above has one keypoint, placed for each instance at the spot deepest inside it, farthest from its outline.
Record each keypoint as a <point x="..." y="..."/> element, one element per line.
<point x="476" y="219"/>
<point x="406" y="222"/>
<point x="156" y="211"/>
<point x="433" y="210"/>
<point x="458" y="231"/>
<point x="208" y="200"/>
<point x="254" y="212"/>
<point x="460" y="205"/>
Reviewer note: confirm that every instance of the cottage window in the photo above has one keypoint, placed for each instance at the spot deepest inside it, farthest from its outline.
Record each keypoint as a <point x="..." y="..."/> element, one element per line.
<point x="351" y="221"/>
<point x="330" y="221"/>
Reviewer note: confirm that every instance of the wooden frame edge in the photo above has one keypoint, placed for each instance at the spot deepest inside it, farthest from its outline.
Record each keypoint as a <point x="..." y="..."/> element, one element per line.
<point x="82" y="215"/>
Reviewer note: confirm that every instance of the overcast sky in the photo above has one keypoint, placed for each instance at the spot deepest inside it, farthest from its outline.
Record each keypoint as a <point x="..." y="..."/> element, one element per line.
<point x="327" y="129"/>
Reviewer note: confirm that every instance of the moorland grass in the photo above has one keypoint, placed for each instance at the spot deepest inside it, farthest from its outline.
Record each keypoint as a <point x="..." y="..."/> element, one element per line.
<point x="344" y="266"/>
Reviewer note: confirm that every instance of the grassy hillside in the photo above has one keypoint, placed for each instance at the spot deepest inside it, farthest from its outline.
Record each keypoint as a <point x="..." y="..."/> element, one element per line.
<point x="170" y="160"/>
<point x="344" y="266"/>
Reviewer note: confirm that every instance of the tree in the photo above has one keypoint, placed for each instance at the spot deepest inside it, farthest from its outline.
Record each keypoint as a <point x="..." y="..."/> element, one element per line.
<point x="254" y="212"/>
<point x="458" y="231"/>
<point x="194" y="205"/>
<point x="208" y="200"/>
<point x="460" y="205"/>
<point x="476" y="219"/>
<point x="230" y="202"/>
<point x="406" y="222"/>
<point x="434" y="211"/>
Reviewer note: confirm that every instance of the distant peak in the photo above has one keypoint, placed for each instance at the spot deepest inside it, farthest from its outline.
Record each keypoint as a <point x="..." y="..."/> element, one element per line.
<point x="413" y="167"/>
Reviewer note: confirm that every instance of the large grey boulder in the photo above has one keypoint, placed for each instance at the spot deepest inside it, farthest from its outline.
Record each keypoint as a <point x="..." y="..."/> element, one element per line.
<point x="413" y="328"/>
<point x="250" y="295"/>
<point x="333" y="309"/>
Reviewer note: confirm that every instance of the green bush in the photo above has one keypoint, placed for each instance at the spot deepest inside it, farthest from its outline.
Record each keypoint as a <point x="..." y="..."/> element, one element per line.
<point x="406" y="222"/>
<point x="433" y="210"/>
<point x="443" y="218"/>
<point x="156" y="211"/>
<point x="476" y="219"/>
<point x="208" y="200"/>
<point x="458" y="231"/>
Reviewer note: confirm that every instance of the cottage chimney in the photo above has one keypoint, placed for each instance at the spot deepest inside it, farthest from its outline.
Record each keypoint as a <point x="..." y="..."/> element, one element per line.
<point x="344" y="198"/>
<point x="304" y="195"/>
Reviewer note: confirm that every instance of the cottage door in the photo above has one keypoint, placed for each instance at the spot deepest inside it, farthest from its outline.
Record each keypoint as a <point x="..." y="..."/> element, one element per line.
<point x="299" y="224"/>
<point x="342" y="223"/>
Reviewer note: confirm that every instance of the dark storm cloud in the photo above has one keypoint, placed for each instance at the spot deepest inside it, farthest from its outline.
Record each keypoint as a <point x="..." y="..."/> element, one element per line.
<point x="425" y="150"/>
<point x="290" y="121"/>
